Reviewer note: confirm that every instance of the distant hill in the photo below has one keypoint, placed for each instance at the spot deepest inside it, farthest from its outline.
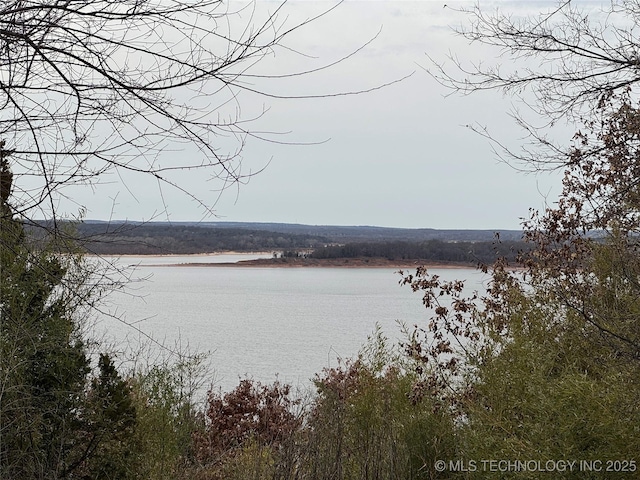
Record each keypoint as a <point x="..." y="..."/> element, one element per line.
<point x="191" y="237"/>
<point x="185" y="238"/>
<point x="375" y="234"/>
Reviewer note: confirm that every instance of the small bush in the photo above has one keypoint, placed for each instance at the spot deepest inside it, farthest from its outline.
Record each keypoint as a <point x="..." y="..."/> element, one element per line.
<point x="168" y="417"/>
<point x="247" y="427"/>
<point x="363" y="425"/>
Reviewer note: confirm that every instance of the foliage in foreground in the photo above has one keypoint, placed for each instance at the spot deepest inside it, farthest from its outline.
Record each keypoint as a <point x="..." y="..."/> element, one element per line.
<point x="361" y="424"/>
<point x="66" y="412"/>
<point x="59" y="418"/>
<point x="545" y="365"/>
<point x="542" y="367"/>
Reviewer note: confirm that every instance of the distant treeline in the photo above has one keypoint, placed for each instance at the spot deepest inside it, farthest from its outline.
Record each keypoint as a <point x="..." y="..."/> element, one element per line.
<point x="185" y="239"/>
<point x="189" y="238"/>
<point x="432" y="250"/>
<point x="363" y="233"/>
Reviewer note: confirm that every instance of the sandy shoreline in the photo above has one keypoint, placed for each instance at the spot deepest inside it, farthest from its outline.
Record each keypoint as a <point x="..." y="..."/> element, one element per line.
<point x="328" y="263"/>
<point x="167" y="255"/>
<point x="269" y="262"/>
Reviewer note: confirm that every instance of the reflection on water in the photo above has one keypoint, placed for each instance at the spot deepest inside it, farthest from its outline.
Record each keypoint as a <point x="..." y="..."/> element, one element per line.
<point x="156" y="260"/>
<point x="268" y="322"/>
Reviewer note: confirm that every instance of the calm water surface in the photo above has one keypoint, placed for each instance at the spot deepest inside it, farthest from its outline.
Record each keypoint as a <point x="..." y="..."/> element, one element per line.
<point x="267" y="323"/>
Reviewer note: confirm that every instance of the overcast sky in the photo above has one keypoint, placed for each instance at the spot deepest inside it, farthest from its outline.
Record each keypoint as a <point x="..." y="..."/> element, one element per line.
<point x="400" y="156"/>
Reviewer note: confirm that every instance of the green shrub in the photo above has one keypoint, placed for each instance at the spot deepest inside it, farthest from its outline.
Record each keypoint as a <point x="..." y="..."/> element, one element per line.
<point x="168" y="417"/>
<point x="363" y="424"/>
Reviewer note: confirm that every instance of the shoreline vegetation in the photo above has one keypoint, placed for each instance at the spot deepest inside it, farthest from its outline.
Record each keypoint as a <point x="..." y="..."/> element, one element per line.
<point x="305" y="245"/>
<point x="300" y="262"/>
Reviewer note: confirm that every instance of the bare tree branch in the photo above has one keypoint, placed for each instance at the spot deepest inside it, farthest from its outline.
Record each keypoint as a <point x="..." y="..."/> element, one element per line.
<point x="88" y="88"/>
<point x="567" y="57"/>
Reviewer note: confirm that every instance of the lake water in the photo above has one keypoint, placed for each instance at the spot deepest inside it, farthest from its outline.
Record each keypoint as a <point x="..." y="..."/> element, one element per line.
<point x="266" y="323"/>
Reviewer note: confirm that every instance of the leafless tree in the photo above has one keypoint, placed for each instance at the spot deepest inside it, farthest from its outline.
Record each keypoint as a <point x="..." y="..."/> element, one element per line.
<point x="90" y="87"/>
<point x="577" y="63"/>
<point x="561" y="63"/>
